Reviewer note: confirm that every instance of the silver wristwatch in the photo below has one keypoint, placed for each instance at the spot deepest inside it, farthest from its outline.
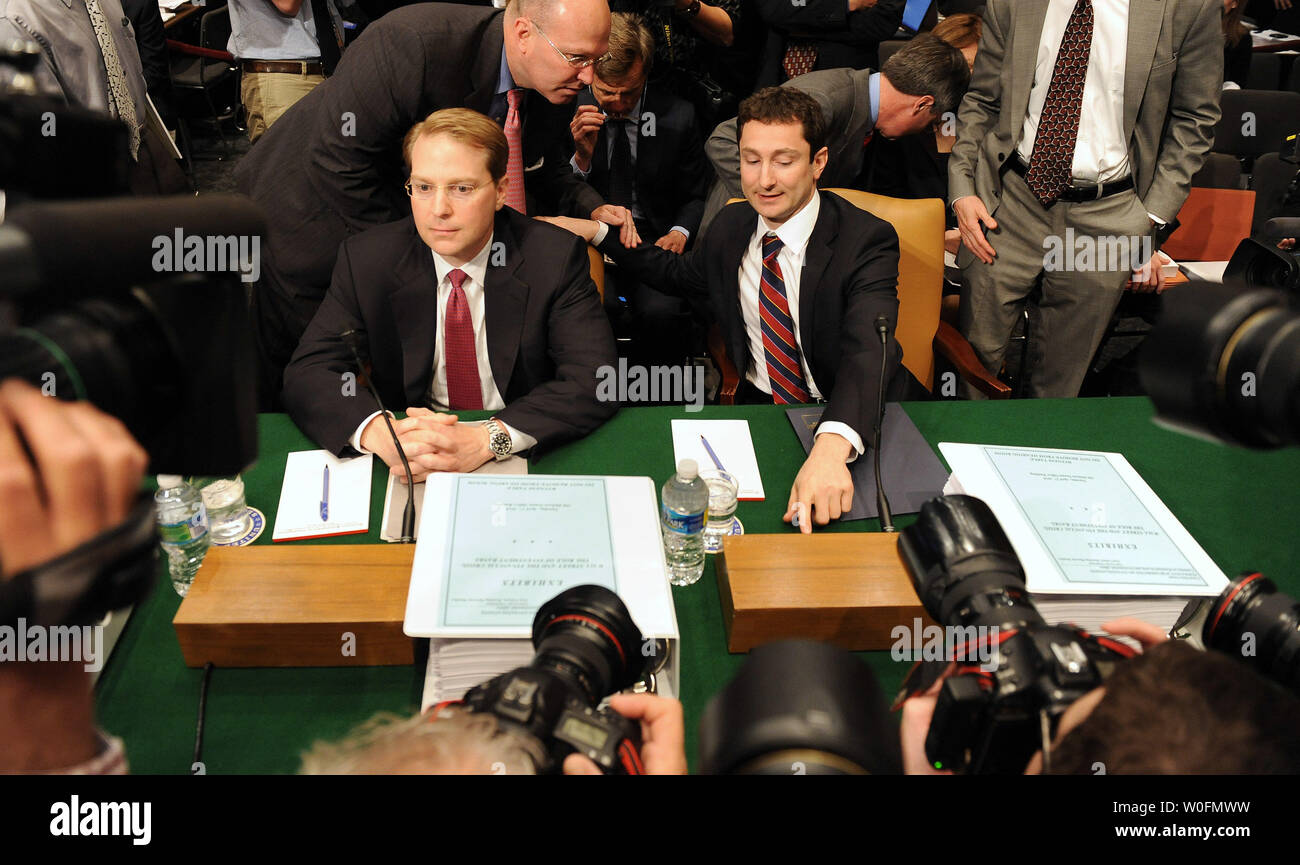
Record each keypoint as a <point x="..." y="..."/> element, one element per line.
<point x="498" y="439"/>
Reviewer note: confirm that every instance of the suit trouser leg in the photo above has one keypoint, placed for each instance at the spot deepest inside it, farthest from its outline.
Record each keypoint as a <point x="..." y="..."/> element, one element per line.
<point x="1079" y="292"/>
<point x="1101" y="243"/>
<point x="993" y="295"/>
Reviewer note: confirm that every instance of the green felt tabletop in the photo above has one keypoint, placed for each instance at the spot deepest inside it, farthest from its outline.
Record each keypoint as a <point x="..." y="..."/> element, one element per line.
<point x="1239" y="505"/>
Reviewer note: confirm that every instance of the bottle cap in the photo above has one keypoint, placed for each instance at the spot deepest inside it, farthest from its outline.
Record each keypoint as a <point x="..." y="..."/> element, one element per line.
<point x="166" y="482"/>
<point x="688" y="469"/>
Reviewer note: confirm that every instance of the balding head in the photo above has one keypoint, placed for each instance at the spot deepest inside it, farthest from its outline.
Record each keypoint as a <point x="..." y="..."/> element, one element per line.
<point x="541" y="34"/>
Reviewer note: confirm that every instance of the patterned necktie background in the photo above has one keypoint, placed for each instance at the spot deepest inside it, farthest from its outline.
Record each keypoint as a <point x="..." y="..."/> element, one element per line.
<point x="464" y="390"/>
<point x="799" y="59"/>
<point x="784" y="372"/>
<point x="513" y="129"/>
<point x="119" y="94"/>
<point x="1058" y="123"/>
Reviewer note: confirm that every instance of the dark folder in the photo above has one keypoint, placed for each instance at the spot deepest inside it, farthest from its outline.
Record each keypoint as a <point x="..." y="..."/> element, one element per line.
<point x="913" y="473"/>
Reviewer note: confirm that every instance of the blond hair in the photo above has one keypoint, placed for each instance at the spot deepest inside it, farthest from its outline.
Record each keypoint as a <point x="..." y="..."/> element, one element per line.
<point x="453" y="743"/>
<point x="468" y="127"/>
<point x="630" y="40"/>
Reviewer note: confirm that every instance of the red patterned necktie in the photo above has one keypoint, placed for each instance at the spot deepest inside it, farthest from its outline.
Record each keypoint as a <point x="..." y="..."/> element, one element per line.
<point x="784" y="372"/>
<point x="1058" y="123"/>
<point x="799" y="60"/>
<point x="464" y="391"/>
<point x="515" y="163"/>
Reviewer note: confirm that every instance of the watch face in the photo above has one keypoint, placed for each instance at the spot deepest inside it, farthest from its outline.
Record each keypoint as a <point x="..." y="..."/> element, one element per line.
<point x="499" y="441"/>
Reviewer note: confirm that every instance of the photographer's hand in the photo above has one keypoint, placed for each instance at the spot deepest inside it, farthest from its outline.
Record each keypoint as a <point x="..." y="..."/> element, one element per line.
<point x="663" y="735"/>
<point x="67" y="473"/>
<point x="1145" y="633"/>
<point x="918" y="711"/>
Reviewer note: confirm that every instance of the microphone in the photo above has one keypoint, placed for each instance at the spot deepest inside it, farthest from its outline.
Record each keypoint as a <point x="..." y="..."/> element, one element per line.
<point x="408" y="515"/>
<point x="882" y="503"/>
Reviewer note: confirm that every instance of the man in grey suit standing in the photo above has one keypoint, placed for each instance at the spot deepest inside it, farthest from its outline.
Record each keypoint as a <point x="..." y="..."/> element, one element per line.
<point x="1083" y="125"/>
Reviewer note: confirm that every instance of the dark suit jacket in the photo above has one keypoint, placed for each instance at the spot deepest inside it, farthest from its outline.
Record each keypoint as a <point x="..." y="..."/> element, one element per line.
<point x="547" y="333"/>
<point x="850" y="276"/>
<point x="842" y="38"/>
<point x="671" y="173"/>
<point x="907" y="167"/>
<point x="332" y="165"/>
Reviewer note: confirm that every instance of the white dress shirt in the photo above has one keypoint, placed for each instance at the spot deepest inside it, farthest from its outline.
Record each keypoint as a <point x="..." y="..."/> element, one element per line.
<point x="476" y="273"/>
<point x="794" y="234"/>
<point x="1101" y="150"/>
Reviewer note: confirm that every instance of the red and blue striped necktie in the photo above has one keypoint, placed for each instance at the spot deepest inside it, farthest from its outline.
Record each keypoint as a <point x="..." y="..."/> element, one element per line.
<point x="784" y="372"/>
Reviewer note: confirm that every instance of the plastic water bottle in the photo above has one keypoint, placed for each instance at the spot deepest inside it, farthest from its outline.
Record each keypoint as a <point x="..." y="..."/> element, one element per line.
<point x="183" y="527"/>
<point x="685" y="511"/>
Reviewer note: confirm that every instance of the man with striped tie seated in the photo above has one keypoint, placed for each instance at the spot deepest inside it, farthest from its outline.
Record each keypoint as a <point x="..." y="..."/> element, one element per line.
<point x="795" y="278"/>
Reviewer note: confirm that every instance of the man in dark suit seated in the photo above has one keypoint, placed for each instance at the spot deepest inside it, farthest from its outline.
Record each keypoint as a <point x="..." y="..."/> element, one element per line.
<point x="638" y="160"/>
<point x="466" y="304"/>
<point x="796" y="279"/>
<point x="331" y="166"/>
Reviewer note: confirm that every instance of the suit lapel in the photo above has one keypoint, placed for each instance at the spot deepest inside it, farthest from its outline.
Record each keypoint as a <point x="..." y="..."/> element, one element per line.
<point x="1144" y="20"/>
<point x="1024" y="58"/>
<point x="733" y="253"/>
<point x="505" y="298"/>
<point x="415" y="311"/>
<point x="816" y="258"/>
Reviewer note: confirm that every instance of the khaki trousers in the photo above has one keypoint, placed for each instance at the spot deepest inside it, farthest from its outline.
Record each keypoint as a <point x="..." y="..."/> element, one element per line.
<point x="267" y="95"/>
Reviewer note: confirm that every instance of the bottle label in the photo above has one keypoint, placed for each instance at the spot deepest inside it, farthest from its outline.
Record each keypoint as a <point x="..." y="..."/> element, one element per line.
<point x="686" y="524"/>
<point x="184" y="532"/>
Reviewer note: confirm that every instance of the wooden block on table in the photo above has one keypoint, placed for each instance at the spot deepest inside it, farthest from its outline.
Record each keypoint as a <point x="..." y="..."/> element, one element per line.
<point x="290" y="606"/>
<point x="847" y="589"/>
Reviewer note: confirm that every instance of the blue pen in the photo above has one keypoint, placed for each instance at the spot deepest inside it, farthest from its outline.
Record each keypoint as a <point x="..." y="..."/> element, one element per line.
<point x="712" y="455"/>
<point x="325" y="496"/>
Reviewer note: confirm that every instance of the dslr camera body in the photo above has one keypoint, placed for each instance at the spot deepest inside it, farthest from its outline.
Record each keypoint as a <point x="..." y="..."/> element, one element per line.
<point x="968" y="576"/>
<point x="588" y="647"/>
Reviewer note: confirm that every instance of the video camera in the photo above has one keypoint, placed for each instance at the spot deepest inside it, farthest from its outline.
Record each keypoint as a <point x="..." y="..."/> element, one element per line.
<point x="133" y="304"/>
<point x="588" y="647"/>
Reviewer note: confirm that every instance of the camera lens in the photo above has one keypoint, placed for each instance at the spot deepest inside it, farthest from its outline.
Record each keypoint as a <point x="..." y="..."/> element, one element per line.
<point x="1255" y="622"/>
<point x="799" y="707"/>
<point x="963" y="568"/>
<point x="586" y="635"/>
<point x="1227" y="362"/>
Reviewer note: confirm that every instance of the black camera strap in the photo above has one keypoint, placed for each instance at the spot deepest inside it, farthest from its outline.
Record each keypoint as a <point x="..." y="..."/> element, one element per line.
<point x="110" y="571"/>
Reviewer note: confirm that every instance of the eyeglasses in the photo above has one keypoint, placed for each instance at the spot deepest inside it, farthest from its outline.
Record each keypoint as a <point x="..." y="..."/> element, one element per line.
<point x="456" y="191"/>
<point x="577" y="61"/>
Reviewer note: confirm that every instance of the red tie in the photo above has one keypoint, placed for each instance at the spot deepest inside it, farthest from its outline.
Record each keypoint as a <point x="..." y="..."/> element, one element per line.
<point x="464" y="391"/>
<point x="515" y="163"/>
<point x="1058" y="123"/>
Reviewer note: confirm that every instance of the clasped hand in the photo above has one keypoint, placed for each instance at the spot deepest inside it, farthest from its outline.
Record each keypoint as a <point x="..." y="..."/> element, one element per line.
<point x="432" y="442"/>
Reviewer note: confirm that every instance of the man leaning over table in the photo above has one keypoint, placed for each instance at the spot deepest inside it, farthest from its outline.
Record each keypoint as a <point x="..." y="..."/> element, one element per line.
<point x="464" y="305"/>
<point x="796" y="279"/>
